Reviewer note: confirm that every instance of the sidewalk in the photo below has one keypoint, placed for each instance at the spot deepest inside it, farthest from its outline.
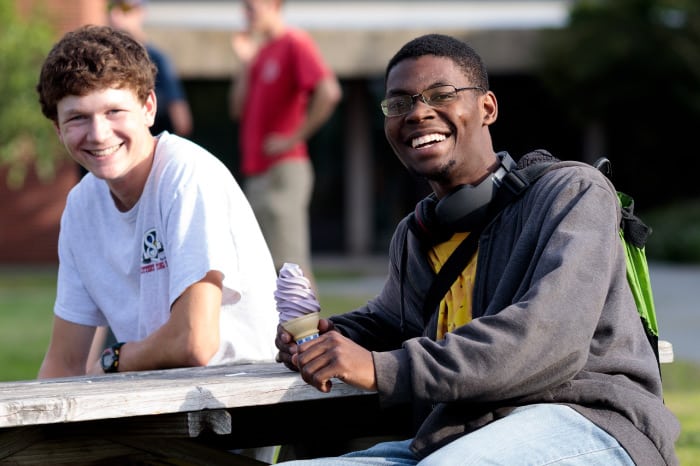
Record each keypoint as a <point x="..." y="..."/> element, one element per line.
<point x="677" y="298"/>
<point x="676" y="294"/>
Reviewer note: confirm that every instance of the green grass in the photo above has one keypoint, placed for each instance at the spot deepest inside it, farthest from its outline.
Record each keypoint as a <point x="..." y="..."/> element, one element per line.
<point x="26" y="314"/>
<point x="681" y="382"/>
<point x="331" y="305"/>
<point x="26" y="303"/>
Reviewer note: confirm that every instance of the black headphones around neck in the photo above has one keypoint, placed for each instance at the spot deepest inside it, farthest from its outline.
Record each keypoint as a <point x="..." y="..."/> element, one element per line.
<point x="465" y="208"/>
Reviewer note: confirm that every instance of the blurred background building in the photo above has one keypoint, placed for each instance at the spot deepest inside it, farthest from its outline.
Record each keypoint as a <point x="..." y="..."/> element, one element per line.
<point x="362" y="191"/>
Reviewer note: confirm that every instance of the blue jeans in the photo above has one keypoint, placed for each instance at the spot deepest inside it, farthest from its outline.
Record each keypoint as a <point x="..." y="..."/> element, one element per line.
<point x="543" y="434"/>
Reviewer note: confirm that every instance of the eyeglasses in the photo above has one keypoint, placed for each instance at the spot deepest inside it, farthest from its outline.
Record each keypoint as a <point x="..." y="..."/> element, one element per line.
<point x="435" y="97"/>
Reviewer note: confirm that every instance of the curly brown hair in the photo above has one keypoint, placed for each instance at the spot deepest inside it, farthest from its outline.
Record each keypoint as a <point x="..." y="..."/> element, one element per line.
<point x="94" y="58"/>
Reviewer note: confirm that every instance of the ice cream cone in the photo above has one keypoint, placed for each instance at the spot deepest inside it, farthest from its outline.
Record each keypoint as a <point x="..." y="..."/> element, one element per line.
<point x="303" y="328"/>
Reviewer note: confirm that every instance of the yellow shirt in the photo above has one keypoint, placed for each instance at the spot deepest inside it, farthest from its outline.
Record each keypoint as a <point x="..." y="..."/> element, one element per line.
<point x="456" y="306"/>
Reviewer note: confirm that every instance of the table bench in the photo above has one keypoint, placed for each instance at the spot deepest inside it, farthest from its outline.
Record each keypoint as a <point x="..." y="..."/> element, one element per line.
<point x="187" y="416"/>
<point x="178" y="416"/>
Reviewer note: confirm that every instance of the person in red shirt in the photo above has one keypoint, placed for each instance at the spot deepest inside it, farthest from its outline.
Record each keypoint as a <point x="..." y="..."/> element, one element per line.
<point x="283" y="94"/>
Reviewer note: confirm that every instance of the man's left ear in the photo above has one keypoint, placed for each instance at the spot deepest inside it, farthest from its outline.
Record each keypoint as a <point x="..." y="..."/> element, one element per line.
<point x="149" y="108"/>
<point x="490" y="108"/>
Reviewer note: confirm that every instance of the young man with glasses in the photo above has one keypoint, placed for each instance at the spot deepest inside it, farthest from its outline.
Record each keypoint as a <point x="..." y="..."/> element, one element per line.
<point x="535" y="355"/>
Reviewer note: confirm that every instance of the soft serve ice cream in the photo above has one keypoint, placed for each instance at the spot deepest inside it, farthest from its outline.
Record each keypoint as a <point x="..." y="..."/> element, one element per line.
<point x="296" y="303"/>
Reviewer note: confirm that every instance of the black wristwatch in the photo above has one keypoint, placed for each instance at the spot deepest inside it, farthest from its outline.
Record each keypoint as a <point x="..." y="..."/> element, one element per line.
<point x="110" y="358"/>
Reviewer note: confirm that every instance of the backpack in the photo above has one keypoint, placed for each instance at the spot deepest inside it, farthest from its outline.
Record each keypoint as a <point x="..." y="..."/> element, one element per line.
<point x="633" y="235"/>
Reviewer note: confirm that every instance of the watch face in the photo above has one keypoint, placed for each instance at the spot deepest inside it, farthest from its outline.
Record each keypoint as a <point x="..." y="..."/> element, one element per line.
<point x="110" y="357"/>
<point x="108" y="360"/>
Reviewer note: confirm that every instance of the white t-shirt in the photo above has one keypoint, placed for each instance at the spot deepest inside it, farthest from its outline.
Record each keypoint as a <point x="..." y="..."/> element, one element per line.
<point x="125" y="269"/>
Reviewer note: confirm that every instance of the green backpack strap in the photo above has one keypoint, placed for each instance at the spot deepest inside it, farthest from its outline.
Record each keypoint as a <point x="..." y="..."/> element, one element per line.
<point x="634" y="233"/>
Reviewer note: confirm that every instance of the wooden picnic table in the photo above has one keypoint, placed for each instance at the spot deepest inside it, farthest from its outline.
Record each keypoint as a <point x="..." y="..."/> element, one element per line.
<point x="177" y="416"/>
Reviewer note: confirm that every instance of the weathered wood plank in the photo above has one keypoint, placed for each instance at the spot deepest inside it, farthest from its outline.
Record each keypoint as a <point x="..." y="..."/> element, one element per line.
<point x="92" y="441"/>
<point x="72" y="451"/>
<point x="186" y="452"/>
<point x="180" y="416"/>
<point x="132" y="394"/>
<point x="169" y="425"/>
<point x="15" y="440"/>
<point x="120" y="448"/>
<point x="217" y="421"/>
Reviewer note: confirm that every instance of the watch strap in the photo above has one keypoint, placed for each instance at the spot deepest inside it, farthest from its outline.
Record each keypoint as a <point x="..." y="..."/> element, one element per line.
<point x="115" y="351"/>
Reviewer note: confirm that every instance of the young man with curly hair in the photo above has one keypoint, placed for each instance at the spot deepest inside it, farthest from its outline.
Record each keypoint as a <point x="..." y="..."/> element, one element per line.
<point x="157" y="241"/>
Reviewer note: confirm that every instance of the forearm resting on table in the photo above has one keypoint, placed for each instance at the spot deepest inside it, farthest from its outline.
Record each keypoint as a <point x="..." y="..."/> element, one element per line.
<point x="189" y="338"/>
<point x="68" y="350"/>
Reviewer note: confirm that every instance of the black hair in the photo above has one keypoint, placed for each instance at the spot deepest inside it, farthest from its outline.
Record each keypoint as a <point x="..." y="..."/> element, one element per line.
<point x="444" y="46"/>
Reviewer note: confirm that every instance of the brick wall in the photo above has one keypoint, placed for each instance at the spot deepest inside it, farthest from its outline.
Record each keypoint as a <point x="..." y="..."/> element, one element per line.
<point x="69" y="14"/>
<point x="30" y="217"/>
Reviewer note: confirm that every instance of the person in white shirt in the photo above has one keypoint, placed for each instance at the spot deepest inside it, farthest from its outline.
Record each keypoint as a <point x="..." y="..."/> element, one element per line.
<point x="157" y="241"/>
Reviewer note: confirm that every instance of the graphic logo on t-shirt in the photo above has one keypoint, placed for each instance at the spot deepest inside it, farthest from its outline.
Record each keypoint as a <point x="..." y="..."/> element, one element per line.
<point x="153" y="254"/>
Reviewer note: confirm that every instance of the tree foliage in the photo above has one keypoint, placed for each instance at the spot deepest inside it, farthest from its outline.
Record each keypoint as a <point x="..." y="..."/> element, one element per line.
<point x="623" y="51"/>
<point x="27" y="138"/>
<point x="633" y="66"/>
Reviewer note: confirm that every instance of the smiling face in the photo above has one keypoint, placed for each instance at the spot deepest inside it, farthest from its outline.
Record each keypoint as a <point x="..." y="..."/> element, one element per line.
<point x="449" y="145"/>
<point x="107" y="132"/>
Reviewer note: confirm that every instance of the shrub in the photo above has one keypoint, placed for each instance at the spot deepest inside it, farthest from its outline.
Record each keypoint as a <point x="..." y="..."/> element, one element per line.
<point x="675" y="232"/>
<point x="27" y="138"/>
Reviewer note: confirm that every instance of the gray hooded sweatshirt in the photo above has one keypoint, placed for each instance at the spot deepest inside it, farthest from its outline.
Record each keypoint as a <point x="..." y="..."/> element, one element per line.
<point x="554" y="321"/>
